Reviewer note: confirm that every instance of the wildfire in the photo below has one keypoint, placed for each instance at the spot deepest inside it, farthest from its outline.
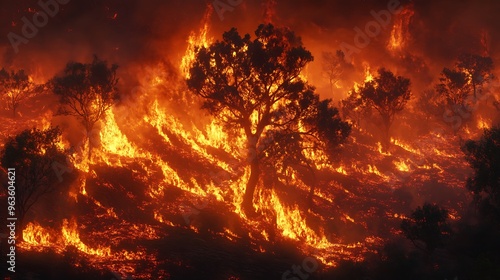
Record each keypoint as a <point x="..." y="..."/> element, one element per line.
<point x="368" y="74"/>
<point x="72" y="237"/>
<point x="405" y="146"/>
<point x="196" y="40"/>
<point x="483" y="124"/>
<point x="380" y="149"/>
<point x="114" y="142"/>
<point x="348" y="218"/>
<point x="292" y="224"/>
<point x="341" y="170"/>
<point x="184" y="141"/>
<point x="36" y="235"/>
<point x="402" y="166"/>
<point x="373" y="169"/>
<point x="400" y="31"/>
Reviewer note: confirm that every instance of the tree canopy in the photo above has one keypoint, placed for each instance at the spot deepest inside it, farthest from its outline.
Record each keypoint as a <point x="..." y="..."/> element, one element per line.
<point x="86" y="91"/>
<point x="483" y="156"/>
<point x="33" y="153"/>
<point x="387" y="94"/>
<point x="477" y="68"/>
<point x="256" y="86"/>
<point x="16" y="86"/>
<point x="453" y="87"/>
<point x="428" y="225"/>
<point x="468" y="76"/>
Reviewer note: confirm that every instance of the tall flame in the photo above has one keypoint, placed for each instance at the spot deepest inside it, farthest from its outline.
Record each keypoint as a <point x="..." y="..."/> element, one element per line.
<point x="196" y="40"/>
<point x="400" y="30"/>
<point x="36" y="235"/>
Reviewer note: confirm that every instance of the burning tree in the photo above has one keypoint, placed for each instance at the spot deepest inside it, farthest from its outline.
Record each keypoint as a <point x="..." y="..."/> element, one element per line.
<point x="256" y="86"/>
<point x="353" y="109"/>
<point x="477" y="68"/>
<point x="15" y="87"/>
<point x="483" y="156"/>
<point x="455" y="85"/>
<point x="388" y="95"/>
<point x="454" y="88"/>
<point x="33" y="153"/>
<point x="86" y="91"/>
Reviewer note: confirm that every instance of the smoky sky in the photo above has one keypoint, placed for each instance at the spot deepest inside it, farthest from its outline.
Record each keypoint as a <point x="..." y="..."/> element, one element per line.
<point x="128" y="31"/>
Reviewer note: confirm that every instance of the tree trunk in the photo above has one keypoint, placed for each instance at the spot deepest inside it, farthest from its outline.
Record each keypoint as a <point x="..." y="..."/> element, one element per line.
<point x="247" y="204"/>
<point x="90" y="151"/>
<point x="88" y="130"/>
<point x="474" y="89"/>
<point x="386" y="141"/>
<point x="14" y="109"/>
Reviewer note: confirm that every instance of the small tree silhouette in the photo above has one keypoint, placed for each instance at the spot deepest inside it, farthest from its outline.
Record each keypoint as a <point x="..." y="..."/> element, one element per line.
<point x="428" y="225"/>
<point x="16" y="87"/>
<point x="483" y="156"/>
<point x="86" y="91"/>
<point x="32" y="153"/>
<point x="387" y="94"/>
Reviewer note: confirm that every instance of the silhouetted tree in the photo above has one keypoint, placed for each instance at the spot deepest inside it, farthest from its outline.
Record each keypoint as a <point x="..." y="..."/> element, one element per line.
<point x="353" y="108"/>
<point x="86" y="91"/>
<point x="15" y="87"/>
<point x="428" y="225"/>
<point x="388" y="95"/>
<point x="256" y="86"/>
<point x="454" y="88"/>
<point x="477" y="68"/>
<point x="33" y="153"/>
<point x="334" y="66"/>
<point x="483" y="156"/>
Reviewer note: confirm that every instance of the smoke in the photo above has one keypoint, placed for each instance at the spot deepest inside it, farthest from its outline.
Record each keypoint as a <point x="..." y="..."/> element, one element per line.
<point x="140" y="34"/>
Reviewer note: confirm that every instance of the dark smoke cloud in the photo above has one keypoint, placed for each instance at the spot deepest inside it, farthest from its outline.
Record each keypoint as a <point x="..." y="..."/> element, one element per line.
<point x="133" y="31"/>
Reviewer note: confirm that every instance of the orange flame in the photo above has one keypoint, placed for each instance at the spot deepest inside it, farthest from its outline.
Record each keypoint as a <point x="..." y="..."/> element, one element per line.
<point x="400" y="31"/>
<point x="196" y="40"/>
<point x="36" y="235"/>
<point x="72" y="237"/>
